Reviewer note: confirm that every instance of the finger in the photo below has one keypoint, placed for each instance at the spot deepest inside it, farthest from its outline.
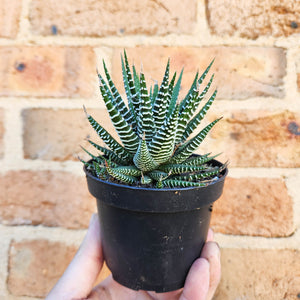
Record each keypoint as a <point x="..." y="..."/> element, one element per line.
<point x="197" y="282"/>
<point x="110" y="289"/>
<point x="210" y="235"/>
<point x="82" y="272"/>
<point x="211" y="252"/>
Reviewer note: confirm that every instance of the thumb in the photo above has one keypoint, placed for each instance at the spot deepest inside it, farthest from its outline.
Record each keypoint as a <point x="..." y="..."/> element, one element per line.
<point x="197" y="282"/>
<point x="78" y="279"/>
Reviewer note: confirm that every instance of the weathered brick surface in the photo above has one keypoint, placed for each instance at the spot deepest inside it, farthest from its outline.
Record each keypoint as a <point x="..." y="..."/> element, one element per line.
<point x="47" y="71"/>
<point x="255" y="18"/>
<point x="246" y="71"/>
<point x="105" y="272"/>
<point x="45" y="197"/>
<point x="36" y="265"/>
<point x="69" y="129"/>
<point x="101" y="18"/>
<point x="9" y="18"/>
<point x="297" y="61"/>
<point x="258" y="139"/>
<point x="259" y="274"/>
<point x="254" y="206"/>
<point x="1" y="133"/>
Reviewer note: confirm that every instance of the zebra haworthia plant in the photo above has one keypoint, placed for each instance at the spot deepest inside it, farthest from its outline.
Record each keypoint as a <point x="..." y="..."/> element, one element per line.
<point x="154" y="129"/>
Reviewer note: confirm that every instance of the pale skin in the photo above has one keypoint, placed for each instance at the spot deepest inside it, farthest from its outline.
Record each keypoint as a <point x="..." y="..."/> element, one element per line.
<point x="77" y="283"/>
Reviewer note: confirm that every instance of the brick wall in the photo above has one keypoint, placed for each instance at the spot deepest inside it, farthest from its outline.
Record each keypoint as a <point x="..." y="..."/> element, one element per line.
<point x="49" y="51"/>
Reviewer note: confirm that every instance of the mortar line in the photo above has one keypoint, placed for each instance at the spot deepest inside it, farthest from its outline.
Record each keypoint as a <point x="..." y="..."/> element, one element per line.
<point x="4" y="257"/>
<point x="24" y="24"/>
<point x="69" y="165"/>
<point x="290" y="80"/>
<point x="13" y="132"/>
<point x="292" y="183"/>
<point x="197" y="39"/>
<point x="75" y="237"/>
<point x="258" y="242"/>
<point x="289" y="103"/>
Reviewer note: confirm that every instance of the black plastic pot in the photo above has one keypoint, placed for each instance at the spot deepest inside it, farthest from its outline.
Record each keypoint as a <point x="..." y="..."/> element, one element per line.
<point x="151" y="237"/>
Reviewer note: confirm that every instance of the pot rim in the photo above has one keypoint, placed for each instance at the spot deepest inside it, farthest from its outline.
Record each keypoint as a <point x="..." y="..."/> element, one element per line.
<point x="214" y="161"/>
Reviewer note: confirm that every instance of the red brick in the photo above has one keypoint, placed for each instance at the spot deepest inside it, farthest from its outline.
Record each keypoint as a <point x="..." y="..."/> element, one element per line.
<point x="102" y="18"/>
<point x="246" y="71"/>
<point x="258" y="139"/>
<point x="50" y="198"/>
<point x="105" y="272"/>
<point x="252" y="19"/>
<point x="9" y="18"/>
<point x="259" y="274"/>
<point x="45" y="261"/>
<point x="1" y="133"/>
<point x="56" y="135"/>
<point x="254" y="206"/>
<point x="47" y="71"/>
<point x="36" y="265"/>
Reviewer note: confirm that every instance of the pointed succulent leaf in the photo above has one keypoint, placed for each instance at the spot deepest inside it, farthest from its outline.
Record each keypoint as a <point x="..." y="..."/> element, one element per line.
<point x="105" y="86"/>
<point x="99" y="159"/>
<point x="202" y="77"/>
<point x="170" y="92"/>
<point x="132" y="88"/>
<point x="127" y="135"/>
<point x="193" y="124"/>
<point x="199" y="176"/>
<point x="100" y="171"/>
<point x="191" y="104"/>
<point x="118" y="99"/>
<point x="146" y="179"/>
<point x="110" y="154"/>
<point x="108" y="139"/>
<point x="204" y="92"/>
<point x="150" y="94"/>
<point x="87" y="164"/>
<point x="158" y="175"/>
<point x="189" y="109"/>
<point x="188" y="95"/>
<point x="154" y="93"/>
<point x="194" y="84"/>
<point x="145" y="117"/>
<point x="161" y="101"/>
<point x="172" y="183"/>
<point x="119" y="176"/>
<point x="199" y="160"/>
<point x="186" y="113"/>
<point x="180" y="168"/>
<point x="129" y="170"/>
<point x="143" y="159"/>
<point x="187" y="149"/>
<point x="175" y="94"/>
<point x="128" y="93"/>
<point x="162" y="145"/>
<point x="159" y="184"/>
<point x="136" y="79"/>
<point x="160" y="181"/>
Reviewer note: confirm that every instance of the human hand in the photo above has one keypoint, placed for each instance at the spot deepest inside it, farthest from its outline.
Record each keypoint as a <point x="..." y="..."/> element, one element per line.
<point x="78" y="280"/>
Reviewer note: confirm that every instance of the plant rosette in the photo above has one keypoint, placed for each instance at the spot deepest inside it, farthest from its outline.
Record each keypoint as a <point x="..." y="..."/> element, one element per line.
<point x="154" y="195"/>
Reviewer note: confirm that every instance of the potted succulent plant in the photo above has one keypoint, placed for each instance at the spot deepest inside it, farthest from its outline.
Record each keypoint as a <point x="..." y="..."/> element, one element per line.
<point x="154" y="196"/>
